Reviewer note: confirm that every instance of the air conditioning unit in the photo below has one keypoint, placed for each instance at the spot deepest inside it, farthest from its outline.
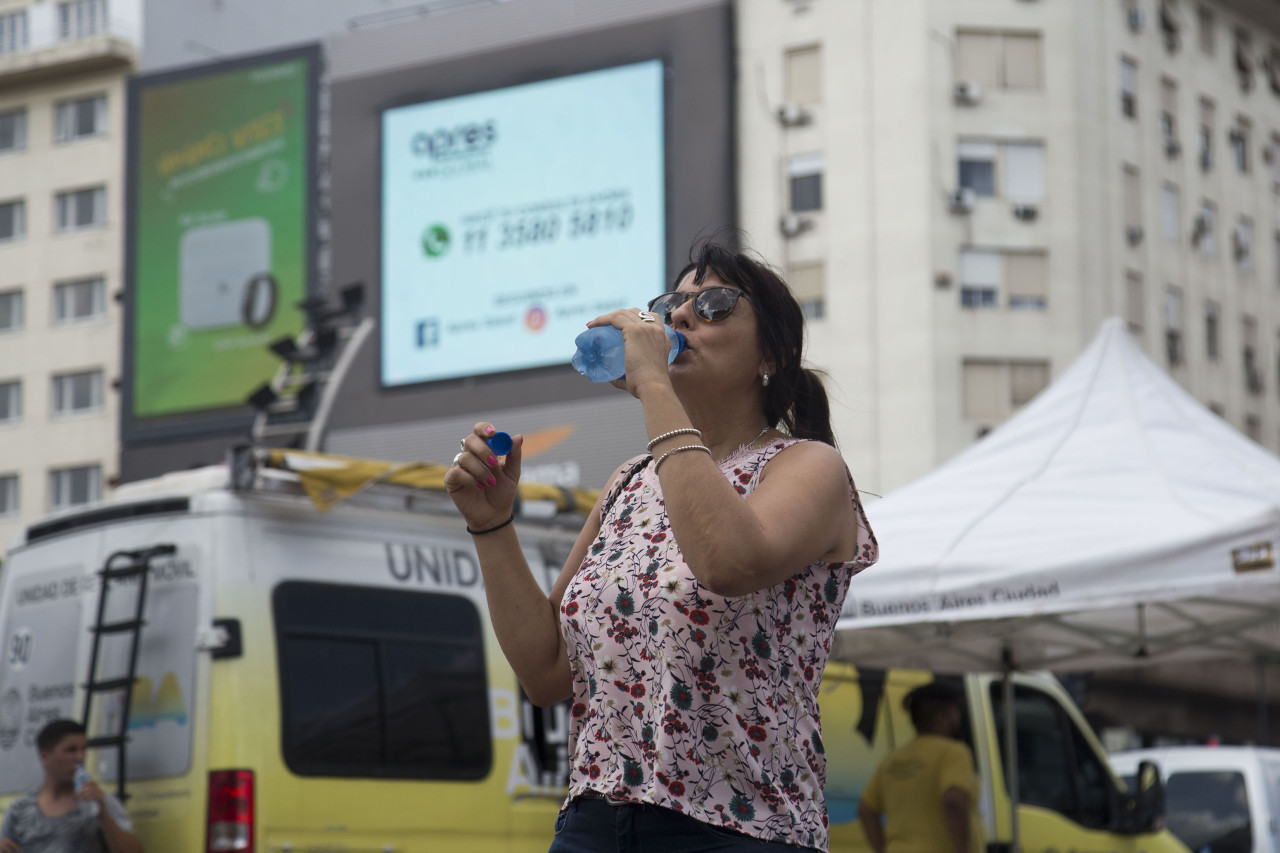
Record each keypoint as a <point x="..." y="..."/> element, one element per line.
<point x="1025" y="212"/>
<point x="1172" y="148"/>
<point x="793" y="225"/>
<point x="1137" y="19"/>
<point x="1133" y="234"/>
<point x="962" y="200"/>
<point x="968" y="93"/>
<point x="793" y="115"/>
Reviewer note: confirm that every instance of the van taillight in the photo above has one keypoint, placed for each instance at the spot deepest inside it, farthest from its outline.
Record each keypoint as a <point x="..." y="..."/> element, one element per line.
<point x="230" y="811"/>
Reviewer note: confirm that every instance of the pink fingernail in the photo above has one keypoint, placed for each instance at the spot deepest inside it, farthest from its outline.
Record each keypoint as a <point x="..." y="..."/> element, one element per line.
<point x="480" y="485"/>
<point x="488" y="430"/>
<point x="492" y="482"/>
<point x="493" y="460"/>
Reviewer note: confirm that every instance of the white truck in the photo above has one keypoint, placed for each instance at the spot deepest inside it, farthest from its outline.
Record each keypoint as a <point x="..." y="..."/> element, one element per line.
<point x="1218" y="799"/>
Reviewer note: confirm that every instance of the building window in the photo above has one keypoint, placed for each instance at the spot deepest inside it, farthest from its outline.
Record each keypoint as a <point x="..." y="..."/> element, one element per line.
<point x="1272" y="157"/>
<point x="1173" y="326"/>
<point x="1014" y="170"/>
<point x="13" y="219"/>
<point x="1204" y="18"/>
<point x="1212" y="347"/>
<point x="1128" y="88"/>
<point x="978" y="167"/>
<point x="1242" y="244"/>
<point x="1276" y="238"/>
<point x="804" y="75"/>
<point x="77" y="392"/>
<point x="79" y="300"/>
<point x="12" y="310"/>
<point x="82" y="209"/>
<point x="74" y="486"/>
<point x="80" y="119"/>
<point x="1171" y="213"/>
<point x="804" y="173"/>
<point x="13" y="130"/>
<point x="979" y="279"/>
<point x="1169" y="116"/>
<point x="1204" y="230"/>
<point x="10" y="401"/>
<point x="985" y="274"/>
<point x="1249" y="351"/>
<point x="993" y="390"/>
<point x="996" y="60"/>
<point x="9" y="494"/>
<point x="1131" y="199"/>
<point x="1026" y="279"/>
<point x="79" y="19"/>
<point x="1207" y="111"/>
<point x="13" y="31"/>
<point x="1135" y="302"/>
<point x="381" y="683"/>
<point x="1239" y="137"/>
<point x="809" y="286"/>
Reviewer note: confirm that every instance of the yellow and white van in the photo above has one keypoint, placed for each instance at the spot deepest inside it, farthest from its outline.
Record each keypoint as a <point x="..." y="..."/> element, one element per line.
<point x="328" y="681"/>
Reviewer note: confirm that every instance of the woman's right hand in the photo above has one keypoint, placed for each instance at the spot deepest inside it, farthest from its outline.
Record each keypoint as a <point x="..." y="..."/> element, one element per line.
<point x="481" y="484"/>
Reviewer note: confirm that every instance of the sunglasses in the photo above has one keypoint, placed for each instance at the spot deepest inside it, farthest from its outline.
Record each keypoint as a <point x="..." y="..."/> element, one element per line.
<point x="711" y="304"/>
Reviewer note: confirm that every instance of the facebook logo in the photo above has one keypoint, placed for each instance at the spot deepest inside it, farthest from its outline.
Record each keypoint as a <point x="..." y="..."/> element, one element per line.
<point x="428" y="333"/>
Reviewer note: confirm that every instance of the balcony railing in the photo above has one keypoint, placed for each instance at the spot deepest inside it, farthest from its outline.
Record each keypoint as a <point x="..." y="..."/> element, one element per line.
<point x="45" y="25"/>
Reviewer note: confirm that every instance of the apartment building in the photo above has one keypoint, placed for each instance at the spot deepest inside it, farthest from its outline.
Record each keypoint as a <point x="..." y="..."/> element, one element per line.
<point x="62" y="102"/>
<point x="962" y="190"/>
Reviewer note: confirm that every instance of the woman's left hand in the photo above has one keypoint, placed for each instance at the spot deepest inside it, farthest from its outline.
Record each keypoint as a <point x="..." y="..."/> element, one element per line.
<point x="647" y="346"/>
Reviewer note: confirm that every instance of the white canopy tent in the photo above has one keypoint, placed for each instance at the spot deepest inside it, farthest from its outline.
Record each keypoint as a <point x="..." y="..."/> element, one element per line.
<point x="1112" y="520"/>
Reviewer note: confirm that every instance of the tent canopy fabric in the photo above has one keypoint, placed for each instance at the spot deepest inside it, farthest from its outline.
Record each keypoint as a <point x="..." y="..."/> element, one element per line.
<point x="1112" y="520"/>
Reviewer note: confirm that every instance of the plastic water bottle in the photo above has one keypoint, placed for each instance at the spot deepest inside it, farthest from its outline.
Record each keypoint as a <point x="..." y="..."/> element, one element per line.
<point x="89" y="807"/>
<point x="601" y="356"/>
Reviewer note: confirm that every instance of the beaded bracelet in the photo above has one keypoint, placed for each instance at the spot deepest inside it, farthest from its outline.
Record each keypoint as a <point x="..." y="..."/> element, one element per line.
<point x="673" y="434"/>
<point x="680" y="449"/>
<point x="495" y="527"/>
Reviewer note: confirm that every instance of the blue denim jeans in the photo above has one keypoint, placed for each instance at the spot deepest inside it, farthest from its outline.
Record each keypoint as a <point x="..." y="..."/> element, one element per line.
<point x="597" y="826"/>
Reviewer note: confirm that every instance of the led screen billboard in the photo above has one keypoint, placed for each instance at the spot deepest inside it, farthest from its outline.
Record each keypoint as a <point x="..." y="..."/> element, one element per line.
<point x="510" y="217"/>
<point x="219" y="235"/>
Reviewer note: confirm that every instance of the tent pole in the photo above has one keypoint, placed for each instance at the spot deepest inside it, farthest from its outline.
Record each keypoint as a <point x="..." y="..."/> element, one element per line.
<point x="1264" y="738"/>
<point x="1011" y="748"/>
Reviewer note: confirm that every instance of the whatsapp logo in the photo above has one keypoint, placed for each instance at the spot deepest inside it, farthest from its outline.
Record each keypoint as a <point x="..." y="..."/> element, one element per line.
<point x="435" y="240"/>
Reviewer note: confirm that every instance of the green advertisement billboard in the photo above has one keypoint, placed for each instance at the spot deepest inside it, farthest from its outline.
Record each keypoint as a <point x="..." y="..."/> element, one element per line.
<point x="220" y="245"/>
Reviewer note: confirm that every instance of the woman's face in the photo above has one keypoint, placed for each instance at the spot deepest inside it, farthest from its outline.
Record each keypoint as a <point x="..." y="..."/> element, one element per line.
<point x="725" y="354"/>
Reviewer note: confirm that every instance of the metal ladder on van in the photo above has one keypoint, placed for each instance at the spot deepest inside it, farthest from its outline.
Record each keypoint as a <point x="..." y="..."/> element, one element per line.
<point x="120" y="566"/>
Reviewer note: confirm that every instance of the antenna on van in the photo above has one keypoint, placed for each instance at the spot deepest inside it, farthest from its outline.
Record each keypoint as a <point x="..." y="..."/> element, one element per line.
<point x="299" y="399"/>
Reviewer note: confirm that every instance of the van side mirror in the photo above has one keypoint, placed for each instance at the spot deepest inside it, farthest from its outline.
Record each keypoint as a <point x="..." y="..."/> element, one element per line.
<point x="1142" y="809"/>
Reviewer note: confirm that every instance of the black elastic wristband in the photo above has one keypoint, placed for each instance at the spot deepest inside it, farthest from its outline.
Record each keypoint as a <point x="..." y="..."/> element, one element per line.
<point x="491" y="529"/>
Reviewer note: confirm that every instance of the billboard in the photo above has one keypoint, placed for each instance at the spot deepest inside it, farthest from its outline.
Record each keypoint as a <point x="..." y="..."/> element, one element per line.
<point x="511" y="217"/>
<point x="219" y="241"/>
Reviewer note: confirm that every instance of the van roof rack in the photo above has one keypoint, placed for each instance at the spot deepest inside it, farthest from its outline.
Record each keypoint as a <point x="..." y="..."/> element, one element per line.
<point x="329" y="479"/>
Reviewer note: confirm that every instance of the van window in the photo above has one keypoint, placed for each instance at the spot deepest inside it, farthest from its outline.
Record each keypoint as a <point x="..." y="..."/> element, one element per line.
<point x="1209" y="811"/>
<point x="1057" y="769"/>
<point x="381" y="683"/>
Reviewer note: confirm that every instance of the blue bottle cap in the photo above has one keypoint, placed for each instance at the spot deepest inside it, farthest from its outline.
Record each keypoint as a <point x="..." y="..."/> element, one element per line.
<point x="499" y="443"/>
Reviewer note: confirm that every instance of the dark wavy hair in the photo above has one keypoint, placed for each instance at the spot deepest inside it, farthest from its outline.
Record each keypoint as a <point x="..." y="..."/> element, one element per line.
<point x="795" y="399"/>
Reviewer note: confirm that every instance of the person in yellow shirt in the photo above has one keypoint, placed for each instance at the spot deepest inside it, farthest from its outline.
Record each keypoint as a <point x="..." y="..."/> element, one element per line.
<point x="926" y="791"/>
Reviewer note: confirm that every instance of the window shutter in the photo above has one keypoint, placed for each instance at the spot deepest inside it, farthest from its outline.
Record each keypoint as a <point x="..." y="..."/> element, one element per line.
<point x="1026" y="277"/>
<point x="1023" y="62"/>
<point x="977" y="59"/>
<point x="1024" y="171"/>
<point x="986" y="390"/>
<point x="804" y="75"/>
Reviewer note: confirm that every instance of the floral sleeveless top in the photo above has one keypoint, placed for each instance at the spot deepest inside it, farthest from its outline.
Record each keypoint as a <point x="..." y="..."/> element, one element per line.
<point x="691" y="700"/>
